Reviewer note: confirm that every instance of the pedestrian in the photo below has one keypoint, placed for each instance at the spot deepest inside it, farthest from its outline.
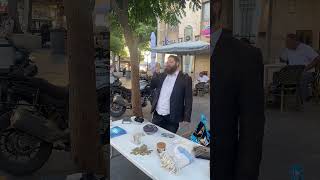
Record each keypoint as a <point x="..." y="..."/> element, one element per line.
<point x="297" y="53"/>
<point x="172" y="101"/>
<point x="237" y="104"/>
<point x="45" y="34"/>
<point x="124" y="71"/>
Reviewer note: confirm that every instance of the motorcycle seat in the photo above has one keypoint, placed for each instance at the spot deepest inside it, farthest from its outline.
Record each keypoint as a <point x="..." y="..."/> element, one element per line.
<point x="58" y="92"/>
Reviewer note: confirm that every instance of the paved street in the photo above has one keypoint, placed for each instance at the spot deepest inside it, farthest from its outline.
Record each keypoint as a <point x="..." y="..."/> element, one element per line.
<point x="291" y="138"/>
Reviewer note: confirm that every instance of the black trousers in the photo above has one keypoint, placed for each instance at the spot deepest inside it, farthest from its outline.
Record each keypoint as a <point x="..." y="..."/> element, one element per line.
<point x="164" y="122"/>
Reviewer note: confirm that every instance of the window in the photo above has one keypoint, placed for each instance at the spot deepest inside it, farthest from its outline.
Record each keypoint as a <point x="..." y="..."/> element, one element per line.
<point x="305" y="36"/>
<point x="173" y="28"/>
<point x="247" y="9"/>
<point x="292" y="5"/>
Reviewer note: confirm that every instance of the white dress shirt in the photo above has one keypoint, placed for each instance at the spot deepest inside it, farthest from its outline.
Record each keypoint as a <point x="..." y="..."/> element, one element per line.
<point x="163" y="105"/>
<point x="303" y="55"/>
<point x="204" y="79"/>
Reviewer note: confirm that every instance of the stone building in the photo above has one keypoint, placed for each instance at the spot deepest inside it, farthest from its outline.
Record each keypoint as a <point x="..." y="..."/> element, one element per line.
<point x="195" y="26"/>
<point x="267" y="22"/>
<point x="300" y="17"/>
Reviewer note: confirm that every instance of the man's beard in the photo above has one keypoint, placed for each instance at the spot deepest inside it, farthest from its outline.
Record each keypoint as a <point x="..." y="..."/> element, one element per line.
<point x="170" y="70"/>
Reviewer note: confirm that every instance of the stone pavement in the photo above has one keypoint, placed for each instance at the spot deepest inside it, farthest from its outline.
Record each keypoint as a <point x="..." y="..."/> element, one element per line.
<point x="52" y="67"/>
<point x="291" y="138"/>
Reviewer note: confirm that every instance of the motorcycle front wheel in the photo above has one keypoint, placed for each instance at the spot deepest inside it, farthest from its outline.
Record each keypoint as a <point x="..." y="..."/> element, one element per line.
<point x="21" y="154"/>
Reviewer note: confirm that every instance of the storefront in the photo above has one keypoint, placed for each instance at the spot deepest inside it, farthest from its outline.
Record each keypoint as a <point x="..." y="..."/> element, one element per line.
<point x="51" y="14"/>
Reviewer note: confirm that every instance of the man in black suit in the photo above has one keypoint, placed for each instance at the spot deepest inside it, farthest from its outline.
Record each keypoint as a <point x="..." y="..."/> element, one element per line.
<point x="237" y="105"/>
<point x="172" y="98"/>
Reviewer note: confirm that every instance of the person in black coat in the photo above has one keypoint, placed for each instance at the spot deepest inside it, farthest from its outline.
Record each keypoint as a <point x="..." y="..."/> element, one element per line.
<point x="172" y="97"/>
<point x="237" y="105"/>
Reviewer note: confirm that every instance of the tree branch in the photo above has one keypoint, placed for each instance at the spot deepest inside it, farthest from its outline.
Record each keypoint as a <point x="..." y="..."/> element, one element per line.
<point x="123" y="18"/>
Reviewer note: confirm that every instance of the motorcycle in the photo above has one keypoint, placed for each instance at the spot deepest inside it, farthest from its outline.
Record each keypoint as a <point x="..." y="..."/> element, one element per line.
<point x="34" y="122"/>
<point x="23" y="64"/>
<point x="121" y="96"/>
<point x="201" y="89"/>
<point x="34" y="119"/>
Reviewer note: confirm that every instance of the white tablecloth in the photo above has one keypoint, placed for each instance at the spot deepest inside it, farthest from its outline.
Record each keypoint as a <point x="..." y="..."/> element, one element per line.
<point x="150" y="164"/>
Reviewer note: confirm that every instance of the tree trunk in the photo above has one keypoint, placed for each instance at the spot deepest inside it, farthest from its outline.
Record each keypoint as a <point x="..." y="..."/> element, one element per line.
<point x="13" y="13"/>
<point x="132" y="42"/>
<point x="136" y="95"/>
<point x="83" y="112"/>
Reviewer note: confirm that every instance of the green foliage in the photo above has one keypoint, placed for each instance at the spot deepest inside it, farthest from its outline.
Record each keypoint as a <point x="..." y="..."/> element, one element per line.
<point x="169" y="11"/>
<point x="143" y="16"/>
<point x="117" y="42"/>
<point x="141" y="30"/>
<point x="117" y="45"/>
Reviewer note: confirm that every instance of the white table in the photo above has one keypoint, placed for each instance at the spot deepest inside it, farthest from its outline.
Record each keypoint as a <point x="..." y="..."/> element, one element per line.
<point x="269" y="69"/>
<point x="150" y="164"/>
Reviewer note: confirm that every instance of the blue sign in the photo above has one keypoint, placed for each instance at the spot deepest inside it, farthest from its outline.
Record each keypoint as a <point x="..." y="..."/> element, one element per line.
<point x="297" y="172"/>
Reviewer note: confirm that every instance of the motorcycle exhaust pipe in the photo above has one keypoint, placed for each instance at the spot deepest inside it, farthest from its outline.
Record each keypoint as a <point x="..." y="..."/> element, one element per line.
<point x="32" y="123"/>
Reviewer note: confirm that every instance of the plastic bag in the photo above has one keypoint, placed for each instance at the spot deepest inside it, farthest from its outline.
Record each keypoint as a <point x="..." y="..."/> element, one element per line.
<point x="201" y="135"/>
<point x="182" y="157"/>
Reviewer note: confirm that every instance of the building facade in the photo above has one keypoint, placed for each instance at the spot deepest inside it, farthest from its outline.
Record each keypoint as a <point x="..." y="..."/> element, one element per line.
<point x="267" y="22"/>
<point x="195" y="26"/>
<point x="299" y="17"/>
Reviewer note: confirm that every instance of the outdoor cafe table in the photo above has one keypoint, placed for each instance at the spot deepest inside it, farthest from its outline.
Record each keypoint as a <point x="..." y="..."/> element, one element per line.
<point x="150" y="164"/>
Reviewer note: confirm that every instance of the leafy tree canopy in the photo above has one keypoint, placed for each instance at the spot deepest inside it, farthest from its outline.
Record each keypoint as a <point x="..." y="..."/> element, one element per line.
<point x="143" y="15"/>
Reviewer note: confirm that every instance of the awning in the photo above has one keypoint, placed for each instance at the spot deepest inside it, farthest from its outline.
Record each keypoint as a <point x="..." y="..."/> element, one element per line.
<point x="184" y="48"/>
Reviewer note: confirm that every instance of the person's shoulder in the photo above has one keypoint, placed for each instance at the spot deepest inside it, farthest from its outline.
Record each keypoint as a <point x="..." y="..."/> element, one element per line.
<point x="304" y="46"/>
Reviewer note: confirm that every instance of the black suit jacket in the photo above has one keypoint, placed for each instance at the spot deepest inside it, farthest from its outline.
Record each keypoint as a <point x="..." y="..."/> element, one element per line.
<point x="181" y="97"/>
<point x="237" y="109"/>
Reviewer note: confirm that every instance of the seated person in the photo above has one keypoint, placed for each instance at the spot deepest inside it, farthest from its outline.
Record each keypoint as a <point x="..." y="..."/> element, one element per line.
<point x="297" y="53"/>
<point x="203" y="78"/>
<point x="203" y="81"/>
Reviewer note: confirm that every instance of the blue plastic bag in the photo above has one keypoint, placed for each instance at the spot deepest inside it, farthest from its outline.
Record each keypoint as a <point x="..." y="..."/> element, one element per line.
<point x="117" y="131"/>
<point x="201" y="135"/>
